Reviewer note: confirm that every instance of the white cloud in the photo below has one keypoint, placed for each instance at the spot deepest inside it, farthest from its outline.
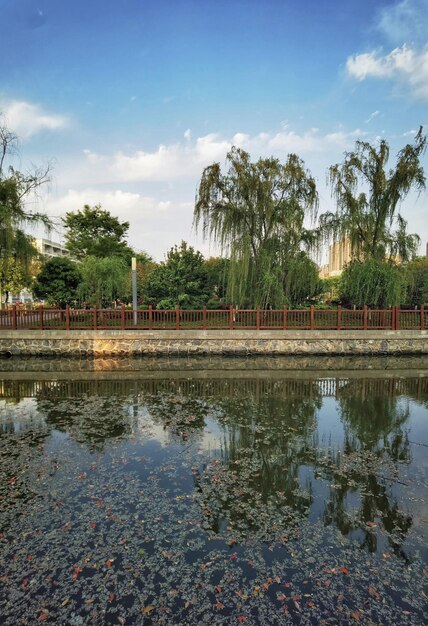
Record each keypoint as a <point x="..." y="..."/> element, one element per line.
<point x="27" y="119"/>
<point x="187" y="159"/>
<point x="406" y="65"/>
<point x="155" y="224"/>
<point x="372" y="116"/>
<point x="120" y="203"/>
<point x="405" y="21"/>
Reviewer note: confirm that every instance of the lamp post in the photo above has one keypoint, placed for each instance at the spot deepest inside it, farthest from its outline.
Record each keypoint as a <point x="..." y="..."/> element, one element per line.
<point x="134" y="288"/>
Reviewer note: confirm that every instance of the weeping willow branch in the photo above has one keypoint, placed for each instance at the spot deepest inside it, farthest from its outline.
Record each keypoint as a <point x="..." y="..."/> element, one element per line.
<point x="256" y="214"/>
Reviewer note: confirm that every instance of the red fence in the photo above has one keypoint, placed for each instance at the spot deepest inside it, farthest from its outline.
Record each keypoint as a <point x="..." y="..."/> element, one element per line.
<point x="393" y="318"/>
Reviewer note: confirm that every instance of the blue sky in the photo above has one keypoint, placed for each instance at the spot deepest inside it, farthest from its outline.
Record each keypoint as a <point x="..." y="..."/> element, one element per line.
<point x="131" y="99"/>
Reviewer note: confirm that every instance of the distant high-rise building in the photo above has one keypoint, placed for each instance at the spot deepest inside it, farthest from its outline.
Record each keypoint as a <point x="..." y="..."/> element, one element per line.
<point x="339" y="254"/>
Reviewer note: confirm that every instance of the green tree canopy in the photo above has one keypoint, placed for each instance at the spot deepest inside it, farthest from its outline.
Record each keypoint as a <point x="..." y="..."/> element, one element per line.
<point x="180" y="280"/>
<point x="95" y="232"/>
<point x="368" y="196"/>
<point x="417" y="285"/>
<point x="373" y="282"/>
<point x="58" y="281"/>
<point x="16" y="277"/>
<point x="145" y="266"/>
<point x="103" y="280"/>
<point x="217" y="273"/>
<point x="256" y="213"/>
<point x="16" y="188"/>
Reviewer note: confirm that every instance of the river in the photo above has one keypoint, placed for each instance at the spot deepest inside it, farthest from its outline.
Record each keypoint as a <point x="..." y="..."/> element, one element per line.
<point x="223" y="491"/>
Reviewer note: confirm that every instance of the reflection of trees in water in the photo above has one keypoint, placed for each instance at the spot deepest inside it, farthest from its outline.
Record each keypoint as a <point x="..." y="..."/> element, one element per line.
<point x="416" y="389"/>
<point x="269" y="442"/>
<point x="375" y="442"/>
<point x="90" y="419"/>
<point x="374" y="419"/>
<point x="265" y="443"/>
<point x="21" y="452"/>
<point x="181" y="415"/>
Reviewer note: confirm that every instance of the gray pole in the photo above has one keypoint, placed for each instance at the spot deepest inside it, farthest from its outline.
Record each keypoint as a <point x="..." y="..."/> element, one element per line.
<point x="134" y="288"/>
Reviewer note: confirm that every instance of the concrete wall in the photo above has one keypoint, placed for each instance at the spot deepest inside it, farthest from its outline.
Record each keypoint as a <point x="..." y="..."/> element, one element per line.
<point x="193" y="342"/>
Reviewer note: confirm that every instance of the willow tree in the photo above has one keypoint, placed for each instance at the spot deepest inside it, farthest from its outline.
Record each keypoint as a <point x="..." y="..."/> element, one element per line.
<point x="368" y="196"/>
<point x="257" y="214"/>
<point x="103" y="280"/>
<point x="16" y="188"/>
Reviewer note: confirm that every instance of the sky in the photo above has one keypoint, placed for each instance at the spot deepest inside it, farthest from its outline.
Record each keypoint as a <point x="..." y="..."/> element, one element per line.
<point x="129" y="100"/>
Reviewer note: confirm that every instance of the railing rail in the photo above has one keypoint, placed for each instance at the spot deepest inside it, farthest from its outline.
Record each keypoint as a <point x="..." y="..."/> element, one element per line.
<point x="393" y="318"/>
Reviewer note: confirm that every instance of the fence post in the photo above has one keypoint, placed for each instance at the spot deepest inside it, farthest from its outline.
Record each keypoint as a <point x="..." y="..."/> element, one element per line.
<point x="95" y="317"/>
<point x="393" y="318"/>
<point x="177" y="318"/>
<point x="365" y="317"/>
<point x="312" y="318"/>
<point x="422" y="316"/>
<point x="41" y="318"/>
<point x="231" y="317"/>
<point x="204" y="317"/>
<point x="258" y="317"/>
<point x="284" y="321"/>
<point x="339" y="312"/>
<point x="67" y="317"/>
<point x="122" y="317"/>
<point x="150" y="317"/>
<point x="14" y="316"/>
<point x="397" y="318"/>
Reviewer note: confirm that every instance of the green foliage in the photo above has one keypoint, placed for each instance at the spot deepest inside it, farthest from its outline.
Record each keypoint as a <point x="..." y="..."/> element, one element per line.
<point x="103" y="280"/>
<point x="145" y="266"/>
<point x="417" y="285"/>
<point x="373" y="282"/>
<point x="300" y="280"/>
<point x="16" y="276"/>
<point x="95" y="232"/>
<point x="15" y="189"/>
<point x="330" y="288"/>
<point x="58" y="282"/>
<point x="217" y="275"/>
<point x="180" y="280"/>
<point x="256" y="213"/>
<point x="367" y="196"/>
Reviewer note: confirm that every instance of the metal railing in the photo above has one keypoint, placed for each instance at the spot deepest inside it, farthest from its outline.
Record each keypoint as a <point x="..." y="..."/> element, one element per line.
<point x="394" y="318"/>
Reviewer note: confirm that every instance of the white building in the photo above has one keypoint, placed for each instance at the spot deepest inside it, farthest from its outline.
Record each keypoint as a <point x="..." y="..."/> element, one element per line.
<point x="47" y="249"/>
<point x="50" y="248"/>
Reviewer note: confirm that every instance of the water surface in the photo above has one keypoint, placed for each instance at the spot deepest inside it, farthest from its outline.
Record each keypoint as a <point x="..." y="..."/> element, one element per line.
<point x="222" y="492"/>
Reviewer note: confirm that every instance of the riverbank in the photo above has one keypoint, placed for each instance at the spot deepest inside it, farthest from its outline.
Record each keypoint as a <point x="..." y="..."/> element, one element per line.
<point x="102" y="343"/>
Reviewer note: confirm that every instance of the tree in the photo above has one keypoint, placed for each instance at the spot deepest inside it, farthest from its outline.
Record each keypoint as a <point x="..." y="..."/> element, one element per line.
<point x="301" y="280"/>
<point x="58" y="282"/>
<point x="16" y="277"/>
<point x="15" y="190"/>
<point x="367" y="196"/>
<point x="103" y="280"/>
<point x="417" y="287"/>
<point x="373" y="282"/>
<point x="217" y="273"/>
<point x="145" y="266"/>
<point x="330" y="288"/>
<point x="256" y="213"/>
<point x="180" y="280"/>
<point x="95" y="232"/>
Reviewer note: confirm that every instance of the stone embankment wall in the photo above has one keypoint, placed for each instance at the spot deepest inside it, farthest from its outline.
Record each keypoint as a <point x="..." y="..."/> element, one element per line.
<point x="193" y="342"/>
